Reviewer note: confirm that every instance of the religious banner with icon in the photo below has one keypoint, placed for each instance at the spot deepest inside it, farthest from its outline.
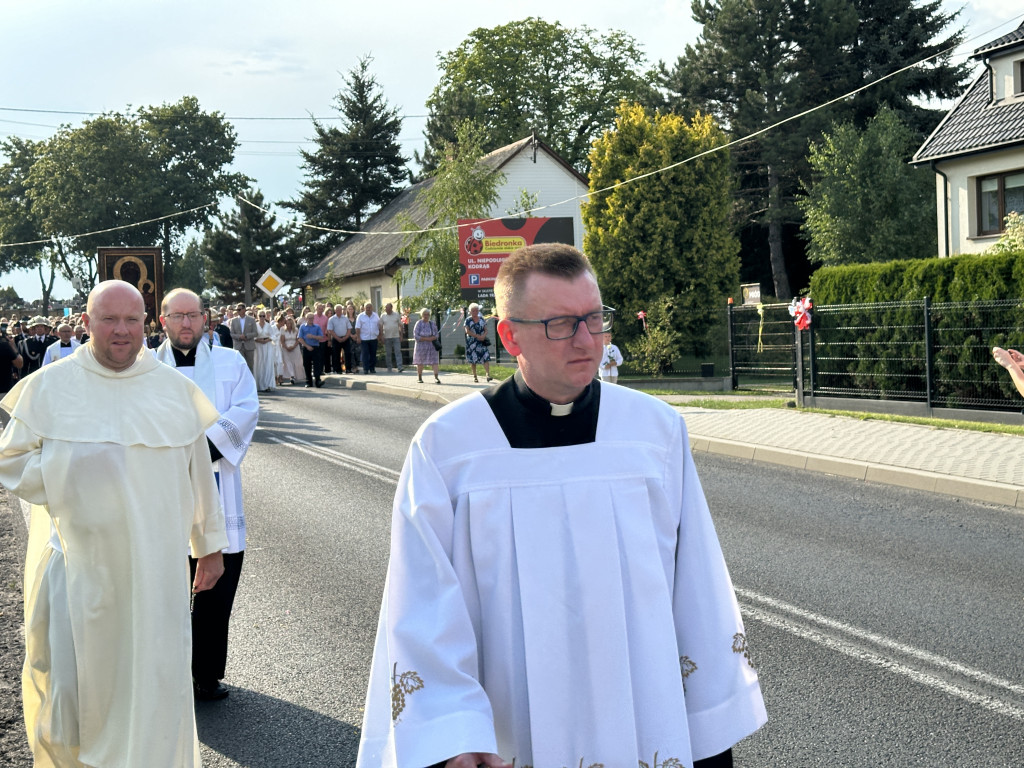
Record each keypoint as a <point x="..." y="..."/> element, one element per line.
<point x="485" y="243"/>
<point x="142" y="267"/>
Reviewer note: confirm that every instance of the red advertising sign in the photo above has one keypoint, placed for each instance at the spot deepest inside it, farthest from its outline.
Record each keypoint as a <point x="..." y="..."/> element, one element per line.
<point x="484" y="245"/>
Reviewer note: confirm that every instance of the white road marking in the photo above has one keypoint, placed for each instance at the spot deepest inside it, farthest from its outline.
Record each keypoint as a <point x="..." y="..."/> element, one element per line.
<point x="353" y="463"/>
<point x="849" y="649"/>
<point x="881" y="640"/>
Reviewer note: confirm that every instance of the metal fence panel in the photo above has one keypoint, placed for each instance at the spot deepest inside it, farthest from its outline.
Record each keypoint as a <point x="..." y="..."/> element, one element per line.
<point x="938" y="354"/>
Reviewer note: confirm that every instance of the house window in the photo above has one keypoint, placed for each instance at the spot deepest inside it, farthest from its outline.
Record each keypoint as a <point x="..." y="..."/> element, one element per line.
<point x="998" y="196"/>
<point x="375" y="297"/>
<point x="1018" y="77"/>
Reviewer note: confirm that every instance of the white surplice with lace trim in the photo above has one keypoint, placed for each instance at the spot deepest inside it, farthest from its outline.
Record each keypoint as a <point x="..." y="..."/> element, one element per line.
<point x="557" y="605"/>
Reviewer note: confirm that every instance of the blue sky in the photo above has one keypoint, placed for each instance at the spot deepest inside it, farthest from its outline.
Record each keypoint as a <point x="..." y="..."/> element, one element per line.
<point x="264" y="59"/>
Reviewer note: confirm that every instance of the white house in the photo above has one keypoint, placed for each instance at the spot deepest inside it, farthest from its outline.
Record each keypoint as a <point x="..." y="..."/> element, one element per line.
<point x="977" y="151"/>
<point x="369" y="264"/>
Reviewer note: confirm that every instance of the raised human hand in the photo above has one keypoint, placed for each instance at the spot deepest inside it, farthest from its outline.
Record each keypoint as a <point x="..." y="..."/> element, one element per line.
<point x="1009" y="359"/>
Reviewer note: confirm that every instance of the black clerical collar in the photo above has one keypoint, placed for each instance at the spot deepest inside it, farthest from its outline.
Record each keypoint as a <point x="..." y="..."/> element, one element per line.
<point x="527" y="419"/>
<point x="186" y="359"/>
<point x="63" y="344"/>
<point x="535" y="402"/>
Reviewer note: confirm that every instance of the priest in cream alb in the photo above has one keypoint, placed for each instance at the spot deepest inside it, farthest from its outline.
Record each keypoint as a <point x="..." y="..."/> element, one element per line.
<point x="120" y="480"/>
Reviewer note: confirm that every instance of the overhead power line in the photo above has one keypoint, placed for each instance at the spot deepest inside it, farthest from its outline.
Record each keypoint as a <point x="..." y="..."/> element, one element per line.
<point x="631" y="180"/>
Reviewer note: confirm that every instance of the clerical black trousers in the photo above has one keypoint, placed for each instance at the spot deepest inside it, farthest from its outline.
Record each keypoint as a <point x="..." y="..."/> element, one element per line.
<point x="211" y="611"/>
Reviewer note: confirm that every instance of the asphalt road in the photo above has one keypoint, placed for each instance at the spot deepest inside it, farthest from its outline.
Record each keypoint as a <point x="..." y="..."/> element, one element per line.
<point x="885" y="624"/>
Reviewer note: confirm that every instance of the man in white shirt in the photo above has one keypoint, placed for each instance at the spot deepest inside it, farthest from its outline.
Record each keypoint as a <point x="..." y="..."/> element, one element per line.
<point x="391" y="329"/>
<point x="65" y="346"/>
<point x="368" y="333"/>
<point x="339" y="331"/>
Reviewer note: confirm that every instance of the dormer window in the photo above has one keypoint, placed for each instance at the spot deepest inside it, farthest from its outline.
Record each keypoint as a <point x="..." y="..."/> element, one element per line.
<point x="1018" y="78"/>
<point x="998" y="196"/>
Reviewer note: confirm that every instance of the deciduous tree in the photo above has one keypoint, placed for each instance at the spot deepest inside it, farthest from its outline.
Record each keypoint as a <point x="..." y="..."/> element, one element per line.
<point x="865" y="202"/>
<point x="563" y="83"/>
<point x="192" y="150"/>
<point x="463" y="187"/>
<point x="19" y="222"/>
<point x="114" y="176"/>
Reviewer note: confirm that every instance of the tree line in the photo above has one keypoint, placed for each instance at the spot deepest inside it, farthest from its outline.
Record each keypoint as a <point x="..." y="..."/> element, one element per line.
<point x="831" y="186"/>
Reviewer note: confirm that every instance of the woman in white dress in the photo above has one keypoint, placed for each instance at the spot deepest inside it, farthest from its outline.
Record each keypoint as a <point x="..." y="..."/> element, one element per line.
<point x="266" y="334"/>
<point x="291" y="355"/>
<point x="278" y="358"/>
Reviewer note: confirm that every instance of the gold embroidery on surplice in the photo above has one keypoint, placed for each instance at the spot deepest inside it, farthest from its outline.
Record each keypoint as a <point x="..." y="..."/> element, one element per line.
<point x="401" y="686"/>
<point x="668" y="762"/>
<point x="739" y="645"/>
<point x="687" y="667"/>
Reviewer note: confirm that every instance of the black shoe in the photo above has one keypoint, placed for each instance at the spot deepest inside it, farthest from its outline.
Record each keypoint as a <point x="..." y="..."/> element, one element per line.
<point x="214" y="692"/>
<point x="319" y="383"/>
<point x="308" y="385"/>
<point x="490" y="378"/>
<point x="293" y="381"/>
<point x="437" y="380"/>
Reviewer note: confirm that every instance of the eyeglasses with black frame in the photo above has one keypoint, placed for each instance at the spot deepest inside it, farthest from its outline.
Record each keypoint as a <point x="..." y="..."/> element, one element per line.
<point x="177" y="317"/>
<point x="565" y="326"/>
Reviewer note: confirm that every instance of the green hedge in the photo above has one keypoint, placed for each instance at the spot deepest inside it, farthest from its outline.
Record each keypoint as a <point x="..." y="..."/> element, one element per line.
<point x="878" y="350"/>
<point x="960" y="278"/>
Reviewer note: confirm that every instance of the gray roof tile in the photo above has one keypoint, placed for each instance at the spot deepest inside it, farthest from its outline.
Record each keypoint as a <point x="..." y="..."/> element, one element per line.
<point x="1006" y="41"/>
<point x="974" y="125"/>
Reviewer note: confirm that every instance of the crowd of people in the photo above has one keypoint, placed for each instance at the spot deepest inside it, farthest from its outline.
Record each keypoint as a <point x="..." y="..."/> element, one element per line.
<point x="337" y="339"/>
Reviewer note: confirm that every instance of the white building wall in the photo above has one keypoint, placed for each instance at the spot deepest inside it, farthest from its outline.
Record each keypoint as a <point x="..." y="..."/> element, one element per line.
<point x="963" y="174"/>
<point x="1006" y="77"/>
<point x="550" y="181"/>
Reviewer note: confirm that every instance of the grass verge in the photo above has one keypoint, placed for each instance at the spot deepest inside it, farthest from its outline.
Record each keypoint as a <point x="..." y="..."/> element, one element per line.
<point x="498" y="372"/>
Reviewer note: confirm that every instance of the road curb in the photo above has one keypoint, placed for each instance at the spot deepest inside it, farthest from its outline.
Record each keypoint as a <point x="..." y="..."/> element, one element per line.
<point x="390" y="389"/>
<point x="962" y="487"/>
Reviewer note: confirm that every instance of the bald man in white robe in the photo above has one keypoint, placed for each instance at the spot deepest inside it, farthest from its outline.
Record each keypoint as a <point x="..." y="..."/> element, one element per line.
<point x="121" y="482"/>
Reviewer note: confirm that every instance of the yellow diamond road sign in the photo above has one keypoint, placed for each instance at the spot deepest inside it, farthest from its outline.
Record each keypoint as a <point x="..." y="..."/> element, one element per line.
<point x="269" y="283"/>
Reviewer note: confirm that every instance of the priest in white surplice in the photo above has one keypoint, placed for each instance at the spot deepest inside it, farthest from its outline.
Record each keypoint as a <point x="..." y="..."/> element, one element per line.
<point x="556" y="594"/>
<point x="225" y="378"/>
<point x="65" y="345"/>
<point x="120" y="479"/>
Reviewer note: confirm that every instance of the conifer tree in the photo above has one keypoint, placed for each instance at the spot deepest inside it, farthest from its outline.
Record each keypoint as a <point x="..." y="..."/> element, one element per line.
<point x="246" y="244"/>
<point x="356" y="168"/>
<point x="758" y="62"/>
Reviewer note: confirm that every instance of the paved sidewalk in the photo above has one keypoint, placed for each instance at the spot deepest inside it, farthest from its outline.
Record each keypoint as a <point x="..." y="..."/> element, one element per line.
<point x="973" y="465"/>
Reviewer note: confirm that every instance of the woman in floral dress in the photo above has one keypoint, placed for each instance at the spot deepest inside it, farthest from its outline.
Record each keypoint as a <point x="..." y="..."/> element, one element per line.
<point x="425" y="331"/>
<point x="476" y="337"/>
